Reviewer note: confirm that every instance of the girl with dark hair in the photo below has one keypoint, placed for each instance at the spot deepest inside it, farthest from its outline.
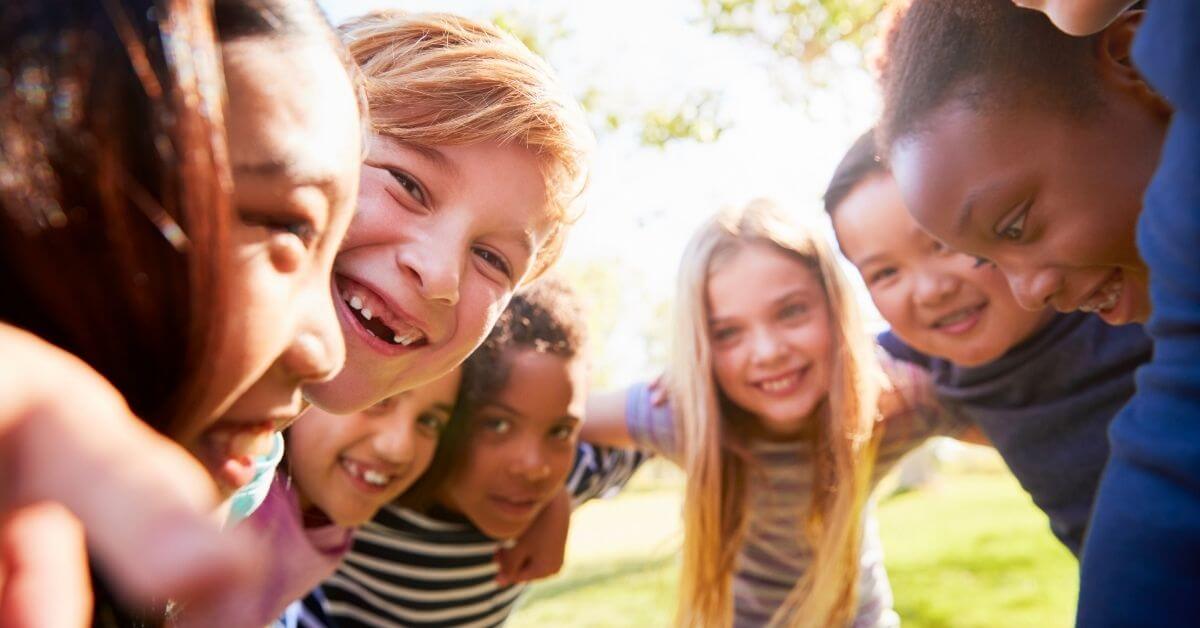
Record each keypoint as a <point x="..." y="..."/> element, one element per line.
<point x="190" y="274"/>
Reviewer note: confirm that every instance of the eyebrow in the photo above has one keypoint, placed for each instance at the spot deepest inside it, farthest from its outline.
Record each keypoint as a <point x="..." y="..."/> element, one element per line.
<point x="963" y="219"/>
<point x="293" y="172"/>
<point x="798" y="292"/>
<point x="501" y="405"/>
<point x="432" y="156"/>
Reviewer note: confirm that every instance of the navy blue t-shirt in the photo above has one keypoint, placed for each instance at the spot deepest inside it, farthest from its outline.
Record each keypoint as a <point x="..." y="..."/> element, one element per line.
<point x="1141" y="563"/>
<point x="1046" y="406"/>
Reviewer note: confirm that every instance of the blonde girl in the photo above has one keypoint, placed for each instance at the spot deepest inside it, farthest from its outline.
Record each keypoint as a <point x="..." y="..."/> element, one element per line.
<point x="782" y="417"/>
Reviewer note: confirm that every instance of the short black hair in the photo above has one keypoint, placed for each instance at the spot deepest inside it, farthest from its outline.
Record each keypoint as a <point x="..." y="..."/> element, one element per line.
<point x="545" y="317"/>
<point x="859" y="163"/>
<point x="983" y="54"/>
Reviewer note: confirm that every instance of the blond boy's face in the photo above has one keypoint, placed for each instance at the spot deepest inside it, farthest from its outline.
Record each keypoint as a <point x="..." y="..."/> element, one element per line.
<point x="442" y="237"/>
<point x="939" y="301"/>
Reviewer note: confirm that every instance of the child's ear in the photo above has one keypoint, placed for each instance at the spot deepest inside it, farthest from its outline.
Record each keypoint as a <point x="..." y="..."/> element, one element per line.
<point x="1114" y="57"/>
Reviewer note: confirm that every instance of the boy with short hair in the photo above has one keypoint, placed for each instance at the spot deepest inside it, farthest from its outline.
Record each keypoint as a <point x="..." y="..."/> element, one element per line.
<point x="476" y="159"/>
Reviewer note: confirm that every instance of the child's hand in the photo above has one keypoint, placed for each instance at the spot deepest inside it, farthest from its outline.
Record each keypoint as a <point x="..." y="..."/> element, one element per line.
<point x="43" y="568"/>
<point x="539" y="552"/>
<point x="67" y="437"/>
<point x="658" y="390"/>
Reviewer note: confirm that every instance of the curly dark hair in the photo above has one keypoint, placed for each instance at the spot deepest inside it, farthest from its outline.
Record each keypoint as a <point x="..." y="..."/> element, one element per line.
<point x="545" y="317"/>
<point x="983" y="54"/>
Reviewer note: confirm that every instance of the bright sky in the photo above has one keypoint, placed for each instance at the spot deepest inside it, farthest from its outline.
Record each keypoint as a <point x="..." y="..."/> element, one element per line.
<point x="644" y="202"/>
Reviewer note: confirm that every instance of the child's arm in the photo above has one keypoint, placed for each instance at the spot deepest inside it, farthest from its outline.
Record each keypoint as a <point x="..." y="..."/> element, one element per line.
<point x="538" y="553"/>
<point x="66" y="436"/>
<point x="605" y="422"/>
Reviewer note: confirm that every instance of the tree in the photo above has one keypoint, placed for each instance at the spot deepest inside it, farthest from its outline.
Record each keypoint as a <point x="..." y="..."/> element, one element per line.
<point x="697" y="118"/>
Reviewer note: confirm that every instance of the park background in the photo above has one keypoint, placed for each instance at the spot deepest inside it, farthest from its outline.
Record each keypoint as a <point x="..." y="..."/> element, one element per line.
<point x="697" y="105"/>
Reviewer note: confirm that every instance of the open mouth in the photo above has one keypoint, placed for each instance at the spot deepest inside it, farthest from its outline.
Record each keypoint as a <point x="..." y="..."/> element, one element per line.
<point x="377" y="319"/>
<point x="228" y="451"/>
<point x="960" y="320"/>
<point x="782" y="384"/>
<point x="1106" y="297"/>
<point x="515" y="507"/>
<point x="370" y="477"/>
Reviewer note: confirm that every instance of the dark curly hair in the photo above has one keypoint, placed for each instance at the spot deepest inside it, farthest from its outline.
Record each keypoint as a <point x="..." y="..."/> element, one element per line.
<point x="544" y="317"/>
<point x="983" y="54"/>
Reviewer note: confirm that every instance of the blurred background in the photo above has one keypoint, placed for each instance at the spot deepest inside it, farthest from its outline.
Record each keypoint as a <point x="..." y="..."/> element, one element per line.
<point x="698" y="104"/>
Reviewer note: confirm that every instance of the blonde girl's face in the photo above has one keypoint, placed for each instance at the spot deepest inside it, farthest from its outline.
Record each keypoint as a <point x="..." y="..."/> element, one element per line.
<point x="350" y="466"/>
<point x="941" y="302"/>
<point x="772" y="338"/>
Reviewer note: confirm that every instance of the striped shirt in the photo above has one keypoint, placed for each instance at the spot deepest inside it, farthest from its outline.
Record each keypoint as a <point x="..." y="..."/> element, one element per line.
<point x="775" y="553"/>
<point x="437" y="569"/>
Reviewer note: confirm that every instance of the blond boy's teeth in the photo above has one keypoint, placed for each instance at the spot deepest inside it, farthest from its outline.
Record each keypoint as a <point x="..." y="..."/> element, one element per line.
<point x="355" y="302"/>
<point x="366" y="313"/>
<point x="409" y="338"/>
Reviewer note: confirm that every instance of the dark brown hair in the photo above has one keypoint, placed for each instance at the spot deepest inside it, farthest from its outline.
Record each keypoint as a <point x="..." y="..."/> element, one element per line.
<point x="114" y="201"/>
<point x="859" y="163"/>
<point x="114" y="197"/>
<point x="983" y="54"/>
<point x="545" y="317"/>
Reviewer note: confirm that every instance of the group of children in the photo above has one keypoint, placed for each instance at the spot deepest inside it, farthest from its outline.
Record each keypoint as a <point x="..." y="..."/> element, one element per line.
<point x="213" y="211"/>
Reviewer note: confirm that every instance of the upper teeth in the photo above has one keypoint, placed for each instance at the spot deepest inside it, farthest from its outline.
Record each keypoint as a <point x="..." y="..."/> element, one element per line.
<point x="955" y="317"/>
<point x="401" y="337"/>
<point x="778" y="384"/>
<point x="375" y="477"/>
<point x="1108" y="296"/>
<point x="370" y="476"/>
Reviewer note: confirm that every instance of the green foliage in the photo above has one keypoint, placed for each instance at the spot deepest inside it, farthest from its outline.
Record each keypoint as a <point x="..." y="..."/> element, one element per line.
<point x="699" y="119"/>
<point x="804" y="30"/>
<point x="696" y="119"/>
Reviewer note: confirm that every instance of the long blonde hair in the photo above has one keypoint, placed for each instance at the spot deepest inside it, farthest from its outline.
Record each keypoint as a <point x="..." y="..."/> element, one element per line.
<point x="715" y="455"/>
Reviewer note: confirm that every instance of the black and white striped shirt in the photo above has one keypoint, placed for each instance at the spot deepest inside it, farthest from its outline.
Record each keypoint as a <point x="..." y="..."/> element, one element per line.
<point x="437" y="569"/>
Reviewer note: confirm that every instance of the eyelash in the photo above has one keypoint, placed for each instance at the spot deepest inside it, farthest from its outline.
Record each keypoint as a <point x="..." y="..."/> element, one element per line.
<point x="432" y="421"/>
<point x="1015" y="229"/>
<point x="881" y="274"/>
<point x="562" y="432"/>
<point x="302" y="229"/>
<point x="497" y="426"/>
<point x="795" y="309"/>
<point x="495" y="260"/>
<point x="410" y="185"/>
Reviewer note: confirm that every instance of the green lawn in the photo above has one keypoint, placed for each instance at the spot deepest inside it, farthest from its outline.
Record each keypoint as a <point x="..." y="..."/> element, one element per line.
<point x="971" y="551"/>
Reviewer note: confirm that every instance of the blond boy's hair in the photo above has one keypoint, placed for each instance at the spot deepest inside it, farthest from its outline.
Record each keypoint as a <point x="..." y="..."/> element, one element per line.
<point x="440" y="79"/>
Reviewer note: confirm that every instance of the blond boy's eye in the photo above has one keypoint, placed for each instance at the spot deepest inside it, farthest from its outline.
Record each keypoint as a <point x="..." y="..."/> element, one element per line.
<point x="409" y="184"/>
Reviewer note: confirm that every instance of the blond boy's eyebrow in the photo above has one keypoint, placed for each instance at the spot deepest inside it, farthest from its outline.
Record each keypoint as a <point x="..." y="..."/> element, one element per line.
<point x="434" y="157"/>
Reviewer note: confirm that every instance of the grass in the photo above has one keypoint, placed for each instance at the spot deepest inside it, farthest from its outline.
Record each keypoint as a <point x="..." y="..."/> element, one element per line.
<point x="971" y="551"/>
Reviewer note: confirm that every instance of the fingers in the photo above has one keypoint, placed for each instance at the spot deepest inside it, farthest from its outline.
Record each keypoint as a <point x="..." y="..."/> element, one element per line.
<point x="44" y="560"/>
